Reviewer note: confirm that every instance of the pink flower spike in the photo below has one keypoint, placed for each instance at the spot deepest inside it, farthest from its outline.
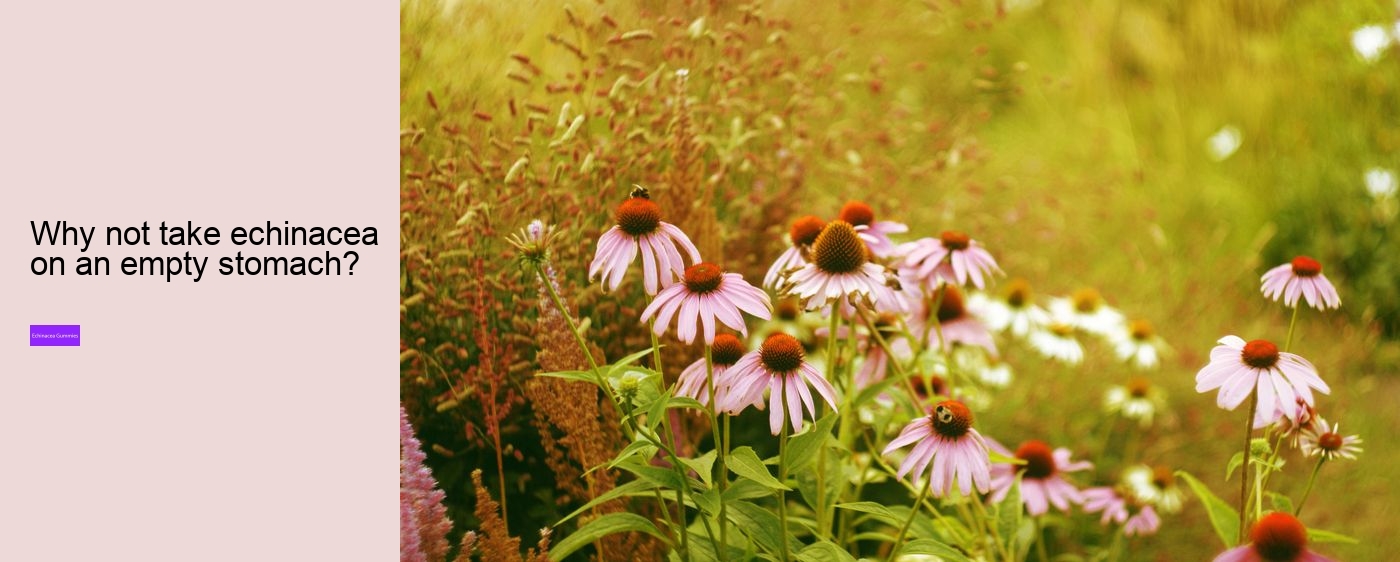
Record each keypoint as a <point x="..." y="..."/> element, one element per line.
<point x="947" y="447"/>
<point x="706" y="295"/>
<point x="639" y="229"/>
<point x="1281" y="379"/>
<point x="779" y="367"/>
<point x="1300" y="277"/>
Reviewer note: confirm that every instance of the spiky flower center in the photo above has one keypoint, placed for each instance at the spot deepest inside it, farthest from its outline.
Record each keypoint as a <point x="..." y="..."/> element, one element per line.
<point x="857" y="213"/>
<point x="837" y="249"/>
<point x="703" y="277"/>
<point x="1260" y="354"/>
<point x="726" y="350"/>
<point x="1018" y="293"/>
<point x="788" y="309"/>
<point x="1304" y="266"/>
<point x="1040" y="460"/>
<point x="950" y="305"/>
<point x="805" y="230"/>
<point x="1162" y="478"/>
<point x="781" y="353"/>
<point x="1141" y="330"/>
<point x="1138" y="387"/>
<point x="1086" y="300"/>
<point x="1330" y="442"/>
<point x="1278" y="537"/>
<point x="951" y="419"/>
<point x="954" y="240"/>
<point x="638" y="216"/>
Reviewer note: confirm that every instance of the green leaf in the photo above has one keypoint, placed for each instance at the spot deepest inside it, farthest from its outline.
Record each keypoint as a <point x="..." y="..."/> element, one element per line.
<point x="584" y="376"/>
<point x="685" y="402"/>
<point x="656" y="408"/>
<point x="642" y="447"/>
<point x="759" y="523"/>
<point x="704" y="465"/>
<point x="601" y="527"/>
<point x="824" y="551"/>
<point x="663" y="477"/>
<point x="1321" y="536"/>
<point x="1234" y="465"/>
<point x="930" y="547"/>
<point x="744" y="462"/>
<point x="707" y="501"/>
<point x="802" y="449"/>
<point x="628" y="489"/>
<point x="745" y="490"/>
<point x="879" y="511"/>
<point x="1280" y="502"/>
<point x="999" y="458"/>
<point x="1009" y="515"/>
<point x="1223" y="517"/>
<point x="620" y="364"/>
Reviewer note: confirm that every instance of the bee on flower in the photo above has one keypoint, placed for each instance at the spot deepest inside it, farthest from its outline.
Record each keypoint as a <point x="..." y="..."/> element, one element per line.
<point x="639" y="229"/>
<point x="947" y="447"/>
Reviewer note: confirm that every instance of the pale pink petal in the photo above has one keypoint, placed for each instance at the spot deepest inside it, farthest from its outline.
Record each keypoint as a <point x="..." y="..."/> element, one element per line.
<point x="917" y="430"/>
<point x="689" y="317"/>
<point x="1237" y="388"/>
<point x="1033" y="495"/>
<point x="820" y="383"/>
<point x="649" y="277"/>
<point x="1238" y="554"/>
<point x="775" y="405"/>
<point x="683" y="240"/>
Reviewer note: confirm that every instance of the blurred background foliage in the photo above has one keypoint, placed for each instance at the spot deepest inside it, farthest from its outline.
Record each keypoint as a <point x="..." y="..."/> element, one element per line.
<point x="1166" y="153"/>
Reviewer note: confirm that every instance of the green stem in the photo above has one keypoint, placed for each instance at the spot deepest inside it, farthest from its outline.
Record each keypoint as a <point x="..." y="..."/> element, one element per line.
<point x="1115" y="550"/>
<point x="721" y="449"/>
<point x="1288" y="344"/>
<point x="1040" y="539"/>
<point x="991" y="530"/>
<point x="782" y="478"/>
<point x="832" y="372"/>
<point x="1297" y="511"/>
<point x="1244" y="474"/>
<point x="914" y="510"/>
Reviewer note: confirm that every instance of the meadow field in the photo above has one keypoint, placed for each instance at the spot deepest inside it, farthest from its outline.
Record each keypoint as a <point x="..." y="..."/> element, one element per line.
<point x="1164" y="154"/>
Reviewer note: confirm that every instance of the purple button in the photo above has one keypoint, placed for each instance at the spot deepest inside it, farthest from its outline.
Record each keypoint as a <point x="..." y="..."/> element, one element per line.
<point x="54" y="334"/>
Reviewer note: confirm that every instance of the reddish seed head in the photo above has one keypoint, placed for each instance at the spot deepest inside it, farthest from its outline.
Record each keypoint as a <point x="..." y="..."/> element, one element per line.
<point x="1018" y="293"/>
<point x="1040" y="460"/>
<point x="1260" y="354"/>
<point x="1278" y="537"/>
<point x="781" y="353"/>
<point x="804" y="231"/>
<point x="1304" y="266"/>
<point x="951" y="419"/>
<point x="954" y="240"/>
<point x="951" y="306"/>
<point x="1330" y="442"/>
<point x="1139" y="386"/>
<point x="837" y="249"/>
<point x="727" y="350"/>
<point x="857" y="213"/>
<point x="638" y="216"/>
<point x="703" y="277"/>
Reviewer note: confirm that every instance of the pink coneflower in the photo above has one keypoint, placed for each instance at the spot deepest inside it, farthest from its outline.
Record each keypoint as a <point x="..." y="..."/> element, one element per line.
<point x="1302" y="276"/>
<point x="954" y="258"/>
<point x="840" y="269"/>
<point x="875" y="234"/>
<point x="1288" y="427"/>
<point x="1326" y="440"/>
<point x="958" y="326"/>
<point x="801" y="235"/>
<point x="1116" y="509"/>
<point x="778" y="366"/>
<point x="639" y="227"/>
<point x="1237" y="368"/>
<point x="724" y="353"/>
<point x="706" y="295"/>
<point x="1041" y="482"/>
<point x="1276" y="537"/>
<point x="947" y="442"/>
